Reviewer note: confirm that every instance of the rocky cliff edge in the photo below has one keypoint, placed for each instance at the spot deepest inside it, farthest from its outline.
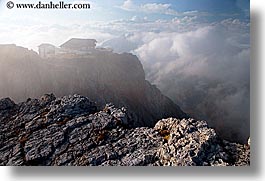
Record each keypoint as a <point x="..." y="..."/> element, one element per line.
<point x="72" y="131"/>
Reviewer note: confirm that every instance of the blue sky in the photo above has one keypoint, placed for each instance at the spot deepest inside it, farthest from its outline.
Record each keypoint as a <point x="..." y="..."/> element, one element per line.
<point x="101" y="18"/>
<point x="110" y="10"/>
<point x="208" y="10"/>
<point x="216" y="9"/>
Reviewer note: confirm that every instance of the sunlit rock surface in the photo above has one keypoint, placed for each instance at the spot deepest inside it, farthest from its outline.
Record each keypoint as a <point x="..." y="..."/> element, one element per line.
<point x="72" y="130"/>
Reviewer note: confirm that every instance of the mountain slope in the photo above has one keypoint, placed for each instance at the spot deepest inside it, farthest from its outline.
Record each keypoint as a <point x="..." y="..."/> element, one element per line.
<point x="103" y="76"/>
<point x="72" y="131"/>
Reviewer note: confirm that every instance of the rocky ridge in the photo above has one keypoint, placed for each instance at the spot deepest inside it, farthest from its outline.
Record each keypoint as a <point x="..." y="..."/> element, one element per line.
<point x="102" y="76"/>
<point x="72" y="130"/>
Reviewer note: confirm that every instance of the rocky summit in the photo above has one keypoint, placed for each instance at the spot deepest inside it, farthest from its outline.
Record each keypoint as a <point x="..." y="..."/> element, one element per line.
<point x="102" y="76"/>
<point x="73" y="131"/>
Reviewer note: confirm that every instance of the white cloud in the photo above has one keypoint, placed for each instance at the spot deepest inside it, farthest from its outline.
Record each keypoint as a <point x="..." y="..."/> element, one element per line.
<point x="206" y="71"/>
<point x="158" y="8"/>
<point x="203" y="67"/>
<point x="128" y="5"/>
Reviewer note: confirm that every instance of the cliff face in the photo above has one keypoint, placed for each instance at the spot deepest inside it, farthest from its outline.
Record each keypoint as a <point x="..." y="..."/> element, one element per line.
<point x="72" y="130"/>
<point x="103" y="76"/>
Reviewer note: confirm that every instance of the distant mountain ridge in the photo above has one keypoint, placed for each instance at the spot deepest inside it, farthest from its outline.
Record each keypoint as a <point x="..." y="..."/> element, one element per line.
<point x="103" y="76"/>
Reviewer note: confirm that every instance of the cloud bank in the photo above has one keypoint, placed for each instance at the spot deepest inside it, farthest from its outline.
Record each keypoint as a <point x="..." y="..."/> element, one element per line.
<point x="205" y="70"/>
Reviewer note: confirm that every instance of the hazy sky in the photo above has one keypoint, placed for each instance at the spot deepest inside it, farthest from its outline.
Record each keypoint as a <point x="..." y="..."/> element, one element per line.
<point x="109" y="19"/>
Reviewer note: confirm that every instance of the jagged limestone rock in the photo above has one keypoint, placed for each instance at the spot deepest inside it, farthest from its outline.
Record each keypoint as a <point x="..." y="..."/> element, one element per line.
<point x="72" y="131"/>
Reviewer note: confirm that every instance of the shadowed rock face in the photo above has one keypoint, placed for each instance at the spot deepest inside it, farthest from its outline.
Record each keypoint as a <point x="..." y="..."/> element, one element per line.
<point x="102" y="76"/>
<point x="72" y="130"/>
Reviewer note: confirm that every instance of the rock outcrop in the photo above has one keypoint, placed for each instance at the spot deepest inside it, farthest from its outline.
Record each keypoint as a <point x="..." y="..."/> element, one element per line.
<point x="102" y="76"/>
<point x="72" y="130"/>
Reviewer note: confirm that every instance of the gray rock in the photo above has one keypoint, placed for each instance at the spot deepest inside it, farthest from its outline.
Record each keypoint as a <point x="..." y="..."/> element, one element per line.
<point x="6" y="103"/>
<point x="71" y="131"/>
